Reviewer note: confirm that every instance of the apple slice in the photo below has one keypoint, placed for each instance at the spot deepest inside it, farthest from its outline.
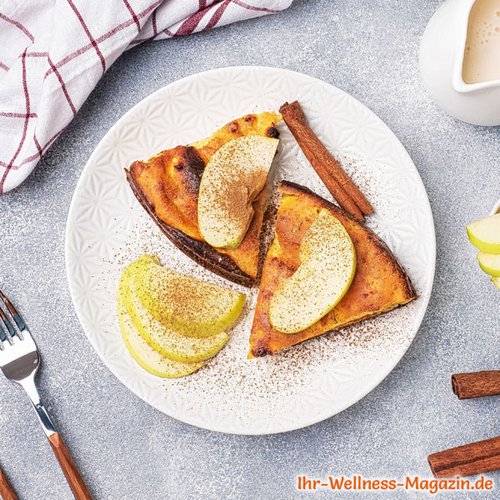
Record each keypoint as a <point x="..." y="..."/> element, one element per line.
<point x="489" y="263"/>
<point x="145" y="356"/>
<point x="485" y="234"/>
<point x="327" y="267"/>
<point x="496" y="282"/>
<point x="189" y="306"/>
<point x="166" y="341"/>
<point x="231" y="181"/>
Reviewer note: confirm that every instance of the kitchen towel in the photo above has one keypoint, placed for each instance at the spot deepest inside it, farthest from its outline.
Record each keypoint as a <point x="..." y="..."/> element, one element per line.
<point x="53" y="53"/>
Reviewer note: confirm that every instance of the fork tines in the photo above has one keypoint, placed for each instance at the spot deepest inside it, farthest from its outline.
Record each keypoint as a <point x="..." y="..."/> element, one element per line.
<point x="7" y="322"/>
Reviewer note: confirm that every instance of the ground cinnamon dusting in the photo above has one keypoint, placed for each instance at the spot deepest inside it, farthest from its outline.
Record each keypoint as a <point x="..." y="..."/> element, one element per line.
<point x="231" y="386"/>
<point x="233" y="178"/>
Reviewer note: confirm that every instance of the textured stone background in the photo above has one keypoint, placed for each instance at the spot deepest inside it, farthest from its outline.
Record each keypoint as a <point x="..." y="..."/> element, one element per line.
<point x="126" y="449"/>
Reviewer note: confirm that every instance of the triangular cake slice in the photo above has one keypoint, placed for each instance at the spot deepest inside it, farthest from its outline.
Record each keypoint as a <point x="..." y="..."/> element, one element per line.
<point x="380" y="284"/>
<point x="167" y="186"/>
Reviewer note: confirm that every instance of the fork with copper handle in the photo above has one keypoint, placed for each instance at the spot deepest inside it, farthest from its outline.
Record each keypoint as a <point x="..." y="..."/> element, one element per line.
<point x="19" y="362"/>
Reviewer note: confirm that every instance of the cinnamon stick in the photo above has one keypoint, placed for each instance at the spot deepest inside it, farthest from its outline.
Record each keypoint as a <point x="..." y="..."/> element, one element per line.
<point x="340" y="185"/>
<point x="476" y="384"/>
<point x="473" y="458"/>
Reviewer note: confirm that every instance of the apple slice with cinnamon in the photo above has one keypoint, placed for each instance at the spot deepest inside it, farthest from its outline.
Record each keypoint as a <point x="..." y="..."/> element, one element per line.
<point x="326" y="270"/>
<point x="230" y="184"/>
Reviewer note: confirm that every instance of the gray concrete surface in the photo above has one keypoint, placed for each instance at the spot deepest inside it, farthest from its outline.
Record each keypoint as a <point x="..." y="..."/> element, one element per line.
<point x="126" y="449"/>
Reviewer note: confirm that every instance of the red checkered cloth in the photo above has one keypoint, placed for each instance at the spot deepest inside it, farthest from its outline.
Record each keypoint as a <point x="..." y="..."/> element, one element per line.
<point x="53" y="53"/>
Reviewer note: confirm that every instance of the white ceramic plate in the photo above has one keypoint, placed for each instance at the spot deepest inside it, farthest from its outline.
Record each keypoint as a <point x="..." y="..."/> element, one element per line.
<point x="107" y="228"/>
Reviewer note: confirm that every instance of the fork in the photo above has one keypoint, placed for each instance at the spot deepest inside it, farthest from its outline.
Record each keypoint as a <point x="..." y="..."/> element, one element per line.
<point x="19" y="362"/>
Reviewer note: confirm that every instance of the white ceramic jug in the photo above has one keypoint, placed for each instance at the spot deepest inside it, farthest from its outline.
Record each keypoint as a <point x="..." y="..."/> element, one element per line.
<point x="442" y="52"/>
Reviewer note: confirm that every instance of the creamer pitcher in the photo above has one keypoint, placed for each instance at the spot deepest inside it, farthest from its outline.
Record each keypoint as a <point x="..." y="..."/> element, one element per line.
<point x="460" y="60"/>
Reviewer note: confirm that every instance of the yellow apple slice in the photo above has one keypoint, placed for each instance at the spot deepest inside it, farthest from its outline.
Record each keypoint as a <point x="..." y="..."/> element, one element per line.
<point x="496" y="282"/>
<point x="166" y="341"/>
<point x="485" y="234"/>
<point x="328" y="264"/>
<point x="231" y="181"/>
<point x="189" y="306"/>
<point x="145" y="356"/>
<point x="489" y="263"/>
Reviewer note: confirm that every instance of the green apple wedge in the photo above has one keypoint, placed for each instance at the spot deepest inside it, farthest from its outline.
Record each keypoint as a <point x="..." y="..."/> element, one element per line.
<point x="145" y="356"/>
<point x="327" y="268"/>
<point x="485" y="234"/>
<point x="496" y="282"/>
<point x="489" y="263"/>
<point x="231" y="181"/>
<point x="189" y="306"/>
<point x="166" y="341"/>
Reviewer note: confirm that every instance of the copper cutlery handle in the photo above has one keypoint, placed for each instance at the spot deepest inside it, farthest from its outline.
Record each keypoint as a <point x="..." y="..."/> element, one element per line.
<point x="60" y="450"/>
<point x="68" y="466"/>
<point x="19" y="362"/>
<point x="6" y="490"/>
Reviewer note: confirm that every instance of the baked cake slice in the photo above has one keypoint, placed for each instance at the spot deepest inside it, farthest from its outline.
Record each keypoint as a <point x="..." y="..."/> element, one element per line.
<point x="379" y="285"/>
<point x="167" y="186"/>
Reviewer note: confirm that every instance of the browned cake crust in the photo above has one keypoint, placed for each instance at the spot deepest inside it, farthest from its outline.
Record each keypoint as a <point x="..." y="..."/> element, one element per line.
<point x="379" y="285"/>
<point x="167" y="186"/>
<point x="198" y="250"/>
